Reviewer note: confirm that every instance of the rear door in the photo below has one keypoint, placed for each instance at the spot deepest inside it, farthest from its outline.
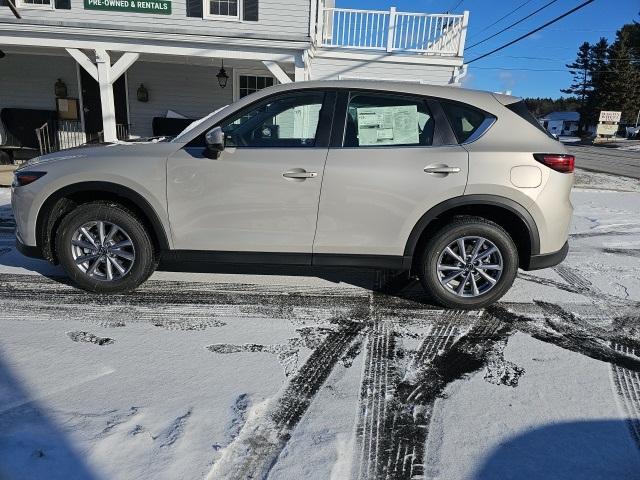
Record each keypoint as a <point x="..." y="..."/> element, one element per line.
<point x="395" y="158"/>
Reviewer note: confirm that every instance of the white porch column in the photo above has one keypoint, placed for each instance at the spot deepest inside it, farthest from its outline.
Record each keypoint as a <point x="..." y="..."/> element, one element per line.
<point x="105" y="75"/>
<point x="300" y="74"/>
<point x="103" y="62"/>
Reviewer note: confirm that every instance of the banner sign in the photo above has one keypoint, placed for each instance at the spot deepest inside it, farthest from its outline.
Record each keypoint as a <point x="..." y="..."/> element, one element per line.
<point x="158" y="7"/>
<point x="608" y="116"/>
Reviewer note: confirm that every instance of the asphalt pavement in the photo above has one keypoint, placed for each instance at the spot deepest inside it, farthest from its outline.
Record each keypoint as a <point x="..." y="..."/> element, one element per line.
<point x="607" y="160"/>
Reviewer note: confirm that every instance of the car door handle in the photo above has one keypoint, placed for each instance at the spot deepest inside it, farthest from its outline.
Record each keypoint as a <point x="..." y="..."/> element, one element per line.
<point x="299" y="174"/>
<point x="442" y="169"/>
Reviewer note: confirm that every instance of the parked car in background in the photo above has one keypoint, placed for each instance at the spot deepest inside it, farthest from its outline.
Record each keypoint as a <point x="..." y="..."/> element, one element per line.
<point x="460" y="187"/>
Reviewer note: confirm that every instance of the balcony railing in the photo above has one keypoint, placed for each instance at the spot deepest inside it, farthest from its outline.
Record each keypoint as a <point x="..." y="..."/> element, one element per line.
<point x="437" y="34"/>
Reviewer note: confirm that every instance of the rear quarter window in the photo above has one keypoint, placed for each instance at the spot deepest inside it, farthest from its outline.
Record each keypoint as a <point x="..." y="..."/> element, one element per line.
<point x="520" y="109"/>
<point x="465" y="120"/>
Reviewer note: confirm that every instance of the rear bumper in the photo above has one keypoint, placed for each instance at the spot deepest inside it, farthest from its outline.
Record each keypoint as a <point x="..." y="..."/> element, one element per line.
<point x="538" y="262"/>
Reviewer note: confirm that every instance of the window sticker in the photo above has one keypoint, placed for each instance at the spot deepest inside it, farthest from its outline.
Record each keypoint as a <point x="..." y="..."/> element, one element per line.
<point x="388" y="125"/>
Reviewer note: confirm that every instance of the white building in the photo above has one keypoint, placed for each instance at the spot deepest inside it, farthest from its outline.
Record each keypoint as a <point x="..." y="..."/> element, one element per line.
<point x="561" y="123"/>
<point x="122" y="63"/>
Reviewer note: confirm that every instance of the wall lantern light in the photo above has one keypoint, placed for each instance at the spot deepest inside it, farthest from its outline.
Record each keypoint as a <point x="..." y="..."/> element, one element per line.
<point x="142" y="93"/>
<point x="222" y="76"/>
<point x="60" y="89"/>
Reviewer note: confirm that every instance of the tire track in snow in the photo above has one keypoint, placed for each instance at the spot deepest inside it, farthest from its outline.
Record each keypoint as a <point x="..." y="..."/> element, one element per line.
<point x="390" y="432"/>
<point x="574" y="278"/>
<point x="627" y="385"/>
<point x="405" y="453"/>
<point x="255" y="450"/>
<point x="374" y="391"/>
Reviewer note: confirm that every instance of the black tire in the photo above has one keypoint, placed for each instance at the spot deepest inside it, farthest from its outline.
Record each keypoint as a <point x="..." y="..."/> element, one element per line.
<point x="145" y="256"/>
<point x="467" y="227"/>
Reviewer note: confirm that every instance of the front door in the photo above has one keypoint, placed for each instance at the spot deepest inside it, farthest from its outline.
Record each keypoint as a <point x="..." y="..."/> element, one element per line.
<point x="389" y="169"/>
<point x="92" y="108"/>
<point x="262" y="193"/>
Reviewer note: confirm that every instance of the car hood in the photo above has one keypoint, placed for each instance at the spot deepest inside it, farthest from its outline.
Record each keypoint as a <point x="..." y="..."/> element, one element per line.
<point x="132" y="150"/>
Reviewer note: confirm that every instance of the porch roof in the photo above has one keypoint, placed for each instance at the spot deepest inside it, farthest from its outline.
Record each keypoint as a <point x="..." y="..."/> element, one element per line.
<point x="63" y="36"/>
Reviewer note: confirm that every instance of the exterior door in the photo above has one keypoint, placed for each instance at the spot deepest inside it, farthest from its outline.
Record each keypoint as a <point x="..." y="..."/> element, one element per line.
<point x="262" y="193"/>
<point x="392" y="167"/>
<point x="92" y="108"/>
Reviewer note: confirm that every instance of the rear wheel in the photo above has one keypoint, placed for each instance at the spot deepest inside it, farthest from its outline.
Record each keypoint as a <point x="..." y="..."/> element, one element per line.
<point x="469" y="263"/>
<point x="105" y="248"/>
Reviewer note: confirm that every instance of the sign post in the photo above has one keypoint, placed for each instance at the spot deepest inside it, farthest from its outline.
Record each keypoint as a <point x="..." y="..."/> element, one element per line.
<point x="608" y="125"/>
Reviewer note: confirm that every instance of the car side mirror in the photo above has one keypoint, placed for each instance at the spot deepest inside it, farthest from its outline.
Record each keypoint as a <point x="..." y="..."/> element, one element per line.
<point x="214" y="140"/>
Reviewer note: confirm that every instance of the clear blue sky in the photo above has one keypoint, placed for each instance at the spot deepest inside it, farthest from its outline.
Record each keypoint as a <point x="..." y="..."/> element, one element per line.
<point x="550" y="49"/>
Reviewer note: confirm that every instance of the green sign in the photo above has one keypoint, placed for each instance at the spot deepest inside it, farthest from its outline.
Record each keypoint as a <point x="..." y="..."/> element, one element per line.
<point x="159" y="7"/>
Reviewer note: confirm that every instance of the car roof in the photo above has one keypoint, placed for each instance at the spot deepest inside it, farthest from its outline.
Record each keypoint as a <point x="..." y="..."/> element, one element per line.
<point x="478" y="98"/>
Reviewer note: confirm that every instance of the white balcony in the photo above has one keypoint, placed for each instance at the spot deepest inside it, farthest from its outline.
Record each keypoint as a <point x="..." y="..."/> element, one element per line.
<point x="393" y="31"/>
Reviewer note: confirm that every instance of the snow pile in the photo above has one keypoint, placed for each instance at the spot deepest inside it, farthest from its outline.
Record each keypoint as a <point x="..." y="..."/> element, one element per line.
<point x="236" y="376"/>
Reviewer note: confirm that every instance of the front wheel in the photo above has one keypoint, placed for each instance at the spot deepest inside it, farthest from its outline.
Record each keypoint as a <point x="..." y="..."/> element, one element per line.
<point x="469" y="263"/>
<point x="105" y="248"/>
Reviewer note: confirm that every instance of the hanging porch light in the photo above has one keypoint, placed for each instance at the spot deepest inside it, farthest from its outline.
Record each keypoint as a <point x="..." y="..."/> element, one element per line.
<point x="222" y="76"/>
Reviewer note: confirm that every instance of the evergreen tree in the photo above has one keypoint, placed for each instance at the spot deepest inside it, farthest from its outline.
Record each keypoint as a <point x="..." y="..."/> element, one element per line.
<point x="598" y="71"/>
<point x="622" y="81"/>
<point x="581" y="85"/>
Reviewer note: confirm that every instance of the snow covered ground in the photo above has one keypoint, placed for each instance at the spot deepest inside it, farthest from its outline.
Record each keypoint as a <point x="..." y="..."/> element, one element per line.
<point x="230" y="376"/>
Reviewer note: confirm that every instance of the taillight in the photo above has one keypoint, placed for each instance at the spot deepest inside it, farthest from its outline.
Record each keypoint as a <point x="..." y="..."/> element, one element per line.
<point x="21" y="179"/>
<point x="558" y="162"/>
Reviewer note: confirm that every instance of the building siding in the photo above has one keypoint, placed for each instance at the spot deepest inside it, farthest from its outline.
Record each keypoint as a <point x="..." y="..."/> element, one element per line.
<point x="276" y="18"/>
<point x="335" y="68"/>
<point x="27" y="81"/>
<point x="189" y="90"/>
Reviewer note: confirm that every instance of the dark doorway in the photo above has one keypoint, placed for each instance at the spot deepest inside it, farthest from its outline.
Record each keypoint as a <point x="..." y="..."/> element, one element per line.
<point x="93" y="109"/>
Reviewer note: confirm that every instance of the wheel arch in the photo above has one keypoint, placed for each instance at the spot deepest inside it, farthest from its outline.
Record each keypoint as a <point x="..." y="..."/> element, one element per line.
<point x="62" y="201"/>
<point x="507" y="213"/>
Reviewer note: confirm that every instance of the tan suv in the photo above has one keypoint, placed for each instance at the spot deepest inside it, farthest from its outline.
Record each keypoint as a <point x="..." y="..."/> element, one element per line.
<point x="460" y="187"/>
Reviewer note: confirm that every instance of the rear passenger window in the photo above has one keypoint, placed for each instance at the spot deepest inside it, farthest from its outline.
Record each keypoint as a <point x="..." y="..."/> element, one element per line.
<point x="376" y="120"/>
<point x="464" y="119"/>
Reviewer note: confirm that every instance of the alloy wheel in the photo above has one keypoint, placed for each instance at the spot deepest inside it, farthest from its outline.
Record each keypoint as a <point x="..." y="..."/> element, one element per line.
<point x="102" y="250"/>
<point x="470" y="266"/>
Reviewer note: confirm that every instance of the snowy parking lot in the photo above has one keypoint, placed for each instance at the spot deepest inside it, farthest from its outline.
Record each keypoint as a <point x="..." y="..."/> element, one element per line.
<point x="289" y="376"/>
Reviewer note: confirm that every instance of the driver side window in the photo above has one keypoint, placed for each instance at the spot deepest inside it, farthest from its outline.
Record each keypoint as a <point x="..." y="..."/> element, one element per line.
<point x="289" y="121"/>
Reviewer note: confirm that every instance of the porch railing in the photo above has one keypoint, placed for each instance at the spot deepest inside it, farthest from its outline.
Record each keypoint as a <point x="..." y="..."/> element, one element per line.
<point x="437" y="34"/>
<point x="65" y="134"/>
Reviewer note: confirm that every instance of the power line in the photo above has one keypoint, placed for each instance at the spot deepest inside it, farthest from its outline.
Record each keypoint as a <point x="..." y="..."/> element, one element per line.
<point x="538" y="69"/>
<point x="456" y="6"/>
<point x="513" y="24"/>
<point x="582" y="5"/>
<point x="503" y="17"/>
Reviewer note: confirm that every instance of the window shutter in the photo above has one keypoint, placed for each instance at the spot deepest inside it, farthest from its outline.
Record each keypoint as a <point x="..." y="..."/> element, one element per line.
<point x="63" y="4"/>
<point x="194" y="8"/>
<point x="250" y="11"/>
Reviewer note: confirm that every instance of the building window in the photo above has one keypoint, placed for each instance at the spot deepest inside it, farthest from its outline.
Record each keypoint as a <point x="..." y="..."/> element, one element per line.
<point x="249" y="84"/>
<point x="222" y="9"/>
<point x="46" y="4"/>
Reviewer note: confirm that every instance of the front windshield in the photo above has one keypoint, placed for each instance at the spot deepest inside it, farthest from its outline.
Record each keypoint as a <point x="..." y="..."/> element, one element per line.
<point x="180" y="136"/>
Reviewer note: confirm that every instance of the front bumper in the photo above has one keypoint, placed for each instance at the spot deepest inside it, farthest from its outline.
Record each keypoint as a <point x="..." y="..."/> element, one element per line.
<point x="546" y="260"/>
<point x="27" y="250"/>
